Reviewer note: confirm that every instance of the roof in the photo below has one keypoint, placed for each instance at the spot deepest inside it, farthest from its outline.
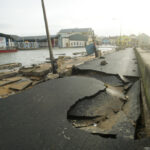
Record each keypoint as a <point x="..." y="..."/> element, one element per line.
<point x="5" y="35"/>
<point x="78" y="37"/>
<point x="33" y="38"/>
<point x="30" y="38"/>
<point x="75" y="30"/>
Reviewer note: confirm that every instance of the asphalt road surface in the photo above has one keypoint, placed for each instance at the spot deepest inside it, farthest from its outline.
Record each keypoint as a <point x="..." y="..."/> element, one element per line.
<point x="36" y="119"/>
<point x="121" y="62"/>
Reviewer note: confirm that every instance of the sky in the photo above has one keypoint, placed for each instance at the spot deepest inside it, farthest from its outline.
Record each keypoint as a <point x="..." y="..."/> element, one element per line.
<point x="105" y="17"/>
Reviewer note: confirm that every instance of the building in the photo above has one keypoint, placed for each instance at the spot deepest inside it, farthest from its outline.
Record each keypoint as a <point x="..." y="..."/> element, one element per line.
<point x="76" y="37"/>
<point x="143" y="40"/>
<point x="73" y="40"/>
<point x="6" y="41"/>
<point x="35" y="42"/>
<point x="106" y="41"/>
<point x="83" y="31"/>
<point x="78" y="40"/>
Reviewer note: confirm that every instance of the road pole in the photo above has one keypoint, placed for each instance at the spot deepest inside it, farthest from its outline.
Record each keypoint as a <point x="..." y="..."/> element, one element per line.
<point x="48" y="39"/>
<point x="94" y="42"/>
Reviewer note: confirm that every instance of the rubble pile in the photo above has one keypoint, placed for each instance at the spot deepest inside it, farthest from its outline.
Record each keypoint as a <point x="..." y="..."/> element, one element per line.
<point x="14" y="80"/>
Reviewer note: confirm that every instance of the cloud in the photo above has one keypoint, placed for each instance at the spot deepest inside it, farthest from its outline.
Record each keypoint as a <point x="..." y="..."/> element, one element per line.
<point x="104" y="16"/>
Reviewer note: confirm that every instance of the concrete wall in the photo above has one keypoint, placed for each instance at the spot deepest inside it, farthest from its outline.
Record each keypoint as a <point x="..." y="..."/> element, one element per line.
<point x="143" y="57"/>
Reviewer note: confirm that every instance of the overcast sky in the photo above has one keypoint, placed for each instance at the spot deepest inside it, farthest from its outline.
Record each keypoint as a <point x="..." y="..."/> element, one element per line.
<point x="106" y="17"/>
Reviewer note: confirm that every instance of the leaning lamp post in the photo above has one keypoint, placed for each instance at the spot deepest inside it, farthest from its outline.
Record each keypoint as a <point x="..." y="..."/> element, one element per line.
<point x="49" y="39"/>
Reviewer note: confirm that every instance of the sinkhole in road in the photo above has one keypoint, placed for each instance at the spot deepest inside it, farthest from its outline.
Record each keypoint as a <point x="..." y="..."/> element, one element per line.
<point x="112" y="113"/>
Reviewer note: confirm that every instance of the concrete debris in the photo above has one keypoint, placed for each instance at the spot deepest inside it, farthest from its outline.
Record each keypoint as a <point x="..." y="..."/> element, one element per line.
<point x="38" y="71"/>
<point x="124" y="79"/>
<point x="128" y="86"/>
<point x="102" y="57"/>
<point x="51" y="76"/>
<point x="118" y="125"/>
<point x="104" y="62"/>
<point x="106" y="114"/>
<point x="36" y="78"/>
<point x="21" y="85"/>
<point x="63" y="54"/>
<point x="37" y="74"/>
<point x="9" y="80"/>
<point x="37" y="82"/>
<point x="4" y="92"/>
<point x="8" y="74"/>
<point x="66" y="72"/>
<point x="116" y="91"/>
<point x="80" y="53"/>
<point x="87" y="122"/>
<point x="10" y="66"/>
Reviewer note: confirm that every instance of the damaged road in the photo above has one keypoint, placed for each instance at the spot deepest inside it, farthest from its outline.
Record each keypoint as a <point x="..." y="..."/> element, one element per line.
<point x="116" y="110"/>
<point x="37" y="119"/>
<point x="93" y="109"/>
<point x="109" y="112"/>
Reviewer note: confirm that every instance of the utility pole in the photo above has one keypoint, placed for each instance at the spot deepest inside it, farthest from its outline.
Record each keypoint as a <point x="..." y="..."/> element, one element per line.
<point x="94" y="42"/>
<point x="49" y="39"/>
<point x="120" y="38"/>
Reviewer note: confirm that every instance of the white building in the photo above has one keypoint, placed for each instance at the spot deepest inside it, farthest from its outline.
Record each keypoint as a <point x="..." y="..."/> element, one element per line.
<point x="74" y="40"/>
<point x="77" y="37"/>
<point x="6" y="41"/>
<point x="2" y="42"/>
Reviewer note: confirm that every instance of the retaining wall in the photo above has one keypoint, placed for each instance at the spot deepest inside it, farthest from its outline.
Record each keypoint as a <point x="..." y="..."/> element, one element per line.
<point x="143" y="57"/>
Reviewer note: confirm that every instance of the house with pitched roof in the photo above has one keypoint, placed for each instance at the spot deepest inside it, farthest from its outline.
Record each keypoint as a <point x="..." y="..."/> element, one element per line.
<point x="76" y="37"/>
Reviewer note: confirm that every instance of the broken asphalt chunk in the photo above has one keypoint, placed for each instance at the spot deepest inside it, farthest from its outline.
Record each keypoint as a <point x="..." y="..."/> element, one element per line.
<point x="104" y="62"/>
<point x="20" y="85"/>
<point x="10" y="66"/>
<point x="38" y="71"/>
<point x="124" y="79"/>
<point x="8" y="74"/>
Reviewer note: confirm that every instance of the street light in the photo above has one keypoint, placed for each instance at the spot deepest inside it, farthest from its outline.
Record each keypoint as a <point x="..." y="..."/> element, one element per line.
<point x="49" y="39"/>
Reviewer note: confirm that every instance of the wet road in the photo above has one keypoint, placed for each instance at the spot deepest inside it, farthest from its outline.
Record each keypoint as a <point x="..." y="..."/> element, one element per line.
<point x="121" y="62"/>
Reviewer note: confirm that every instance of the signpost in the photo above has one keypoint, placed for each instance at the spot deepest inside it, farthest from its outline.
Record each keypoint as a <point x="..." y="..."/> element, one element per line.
<point x="49" y="39"/>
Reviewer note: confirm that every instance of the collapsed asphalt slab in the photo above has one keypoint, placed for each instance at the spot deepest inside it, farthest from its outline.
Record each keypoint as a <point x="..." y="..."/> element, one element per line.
<point x="121" y="62"/>
<point x="108" y="112"/>
<point x="116" y="111"/>
<point x="37" y="119"/>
